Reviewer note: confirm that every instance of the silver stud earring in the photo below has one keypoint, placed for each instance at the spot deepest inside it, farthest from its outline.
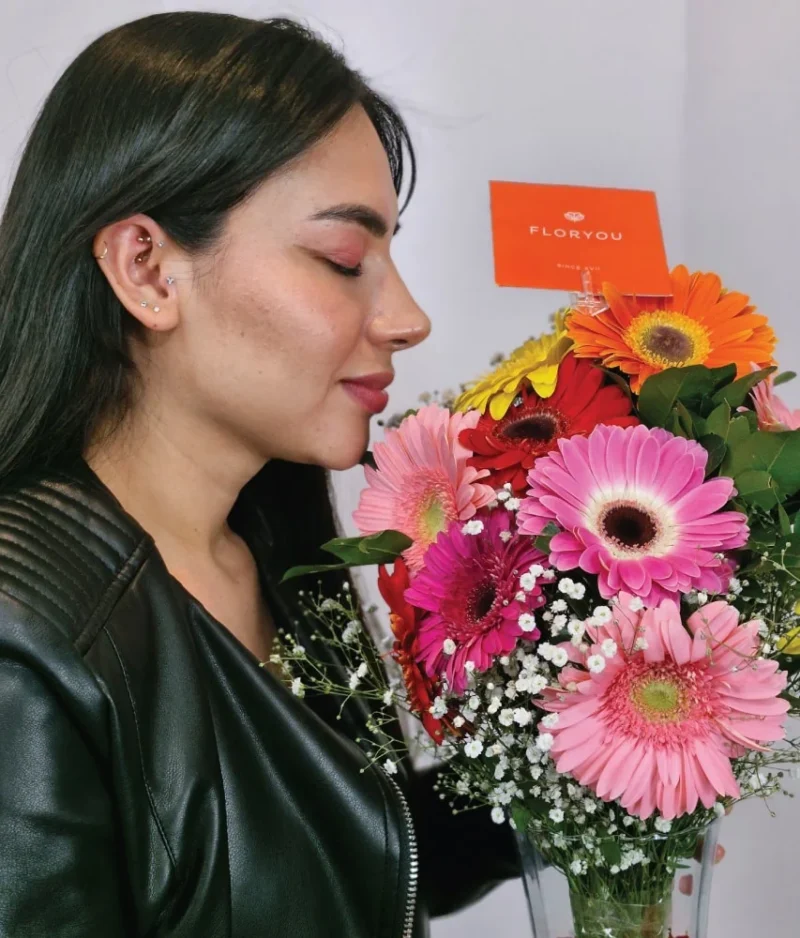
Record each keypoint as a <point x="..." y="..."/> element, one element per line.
<point x="161" y="244"/>
<point x="170" y="280"/>
<point x="156" y="309"/>
<point x="143" y="303"/>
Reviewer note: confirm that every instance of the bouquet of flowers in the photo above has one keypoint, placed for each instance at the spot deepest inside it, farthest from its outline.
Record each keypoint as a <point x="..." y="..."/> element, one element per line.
<point x="593" y="594"/>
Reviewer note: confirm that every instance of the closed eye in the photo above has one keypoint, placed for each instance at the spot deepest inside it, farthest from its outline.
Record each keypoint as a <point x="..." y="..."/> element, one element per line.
<point x="345" y="271"/>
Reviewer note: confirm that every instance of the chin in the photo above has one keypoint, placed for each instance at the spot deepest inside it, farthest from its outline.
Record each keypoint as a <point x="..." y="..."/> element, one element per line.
<point x="340" y="463"/>
<point x="344" y="452"/>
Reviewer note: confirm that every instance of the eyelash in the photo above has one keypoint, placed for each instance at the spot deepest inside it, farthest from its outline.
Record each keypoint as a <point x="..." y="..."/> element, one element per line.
<point x="346" y="271"/>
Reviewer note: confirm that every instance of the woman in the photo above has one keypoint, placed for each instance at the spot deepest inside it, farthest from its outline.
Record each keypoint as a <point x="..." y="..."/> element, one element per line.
<point x="199" y="313"/>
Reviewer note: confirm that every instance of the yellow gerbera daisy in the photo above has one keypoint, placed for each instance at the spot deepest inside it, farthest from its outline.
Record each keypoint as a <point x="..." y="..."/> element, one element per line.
<point x="537" y="360"/>
<point x="789" y="644"/>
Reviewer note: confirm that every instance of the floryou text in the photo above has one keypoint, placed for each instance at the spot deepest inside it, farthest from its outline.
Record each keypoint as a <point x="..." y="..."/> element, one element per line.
<point x="575" y="233"/>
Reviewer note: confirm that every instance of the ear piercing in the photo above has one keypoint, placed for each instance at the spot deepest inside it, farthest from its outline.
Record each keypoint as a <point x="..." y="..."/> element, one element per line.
<point x="146" y="239"/>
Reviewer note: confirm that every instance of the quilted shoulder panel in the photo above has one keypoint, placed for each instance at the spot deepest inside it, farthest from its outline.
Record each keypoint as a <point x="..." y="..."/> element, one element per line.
<point x="67" y="552"/>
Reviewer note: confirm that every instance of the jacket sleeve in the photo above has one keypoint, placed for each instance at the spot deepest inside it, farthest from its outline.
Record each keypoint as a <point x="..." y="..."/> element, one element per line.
<point x="58" y="866"/>
<point x="462" y="856"/>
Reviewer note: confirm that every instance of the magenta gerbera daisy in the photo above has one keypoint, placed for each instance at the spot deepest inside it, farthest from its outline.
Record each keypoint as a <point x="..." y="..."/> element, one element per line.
<point x="663" y="707"/>
<point x="470" y="587"/>
<point x="634" y="510"/>
<point x="422" y="482"/>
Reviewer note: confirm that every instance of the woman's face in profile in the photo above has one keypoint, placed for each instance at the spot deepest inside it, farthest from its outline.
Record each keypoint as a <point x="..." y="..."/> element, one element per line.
<point x="301" y="300"/>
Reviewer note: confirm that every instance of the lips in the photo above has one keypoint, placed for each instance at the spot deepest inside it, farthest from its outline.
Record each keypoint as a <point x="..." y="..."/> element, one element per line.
<point x="369" y="391"/>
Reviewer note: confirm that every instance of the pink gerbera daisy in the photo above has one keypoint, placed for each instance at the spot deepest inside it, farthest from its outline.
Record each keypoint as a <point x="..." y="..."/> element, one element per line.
<point x="422" y="482"/>
<point x="662" y="709"/>
<point x="634" y="510"/>
<point x="773" y="414"/>
<point x="470" y="587"/>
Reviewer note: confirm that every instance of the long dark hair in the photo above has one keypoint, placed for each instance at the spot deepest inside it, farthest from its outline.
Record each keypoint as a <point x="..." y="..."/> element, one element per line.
<point x="178" y="116"/>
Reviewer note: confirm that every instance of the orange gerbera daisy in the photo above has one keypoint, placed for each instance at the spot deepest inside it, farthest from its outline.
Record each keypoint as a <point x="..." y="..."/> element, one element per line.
<point x="700" y="324"/>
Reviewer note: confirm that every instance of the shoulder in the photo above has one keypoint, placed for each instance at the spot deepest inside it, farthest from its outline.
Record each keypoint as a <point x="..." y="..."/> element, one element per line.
<point x="68" y="551"/>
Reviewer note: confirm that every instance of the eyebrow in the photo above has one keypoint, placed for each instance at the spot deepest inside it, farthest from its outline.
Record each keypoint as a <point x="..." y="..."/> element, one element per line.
<point x="362" y="215"/>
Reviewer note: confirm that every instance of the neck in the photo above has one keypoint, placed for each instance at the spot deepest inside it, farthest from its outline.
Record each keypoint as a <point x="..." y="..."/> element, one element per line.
<point x="178" y="481"/>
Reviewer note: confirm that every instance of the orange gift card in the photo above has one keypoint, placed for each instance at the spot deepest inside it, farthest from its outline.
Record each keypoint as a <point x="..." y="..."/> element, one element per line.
<point x="545" y="236"/>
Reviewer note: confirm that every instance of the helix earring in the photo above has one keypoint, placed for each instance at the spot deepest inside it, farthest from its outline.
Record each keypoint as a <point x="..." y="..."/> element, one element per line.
<point x="145" y="240"/>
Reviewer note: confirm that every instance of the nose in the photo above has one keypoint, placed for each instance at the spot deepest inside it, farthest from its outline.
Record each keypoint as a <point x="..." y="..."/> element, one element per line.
<point x="399" y="322"/>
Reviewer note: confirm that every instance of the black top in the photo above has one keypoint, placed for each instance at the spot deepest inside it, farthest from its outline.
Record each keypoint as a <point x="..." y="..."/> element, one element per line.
<point x="155" y="781"/>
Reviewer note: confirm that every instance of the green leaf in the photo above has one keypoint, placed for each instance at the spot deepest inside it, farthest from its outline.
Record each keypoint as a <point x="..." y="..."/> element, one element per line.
<point x="611" y="850"/>
<point x="739" y="430"/>
<point x="684" y="421"/>
<point x="716" y="448"/>
<point x="718" y="421"/>
<point x="783" y="377"/>
<point x="521" y="816"/>
<point x="673" y="424"/>
<point x="368" y="459"/>
<point x="543" y="538"/>
<point x="736" y="393"/>
<point x="660" y="392"/>
<point x="761" y="538"/>
<point x="787" y="546"/>
<point x="752" y="420"/>
<point x="722" y="376"/>
<point x="776" y="453"/>
<point x="756" y="487"/>
<point x="784" y="521"/>
<point x="294" y="572"/>
<point x="382" y="547"/>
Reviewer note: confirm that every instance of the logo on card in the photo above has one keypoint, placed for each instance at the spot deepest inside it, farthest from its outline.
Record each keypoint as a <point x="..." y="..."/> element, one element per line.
<point x="574" y="216"/>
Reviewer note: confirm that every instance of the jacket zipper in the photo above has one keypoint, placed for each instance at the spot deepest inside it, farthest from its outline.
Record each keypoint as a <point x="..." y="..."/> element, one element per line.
<point x="413" y="874"/>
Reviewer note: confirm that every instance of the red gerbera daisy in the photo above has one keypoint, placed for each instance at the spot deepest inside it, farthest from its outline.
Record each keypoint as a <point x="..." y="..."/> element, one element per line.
<point x="532" y="426"/>
<point x="404" y="620"/>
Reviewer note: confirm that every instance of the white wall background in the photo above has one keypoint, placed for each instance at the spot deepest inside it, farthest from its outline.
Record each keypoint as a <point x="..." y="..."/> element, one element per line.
<point x="696" y="99"/>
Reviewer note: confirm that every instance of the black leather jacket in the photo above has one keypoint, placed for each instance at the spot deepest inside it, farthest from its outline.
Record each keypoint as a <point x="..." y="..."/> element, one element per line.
<point x="154" y="781"/>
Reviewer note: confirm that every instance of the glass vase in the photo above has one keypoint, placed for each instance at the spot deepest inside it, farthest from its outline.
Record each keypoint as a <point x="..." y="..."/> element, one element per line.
<point x="667" y="896"/>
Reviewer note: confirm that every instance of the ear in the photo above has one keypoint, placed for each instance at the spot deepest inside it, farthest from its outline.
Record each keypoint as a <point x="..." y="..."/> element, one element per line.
<point x="137" y="258"/>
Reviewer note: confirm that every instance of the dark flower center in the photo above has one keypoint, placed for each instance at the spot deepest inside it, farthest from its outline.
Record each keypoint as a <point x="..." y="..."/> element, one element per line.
<point x="629" y="526"/>
<point x="669" y="343"/>
<point x="540" y="428"/>
<point x="481" y="601"/>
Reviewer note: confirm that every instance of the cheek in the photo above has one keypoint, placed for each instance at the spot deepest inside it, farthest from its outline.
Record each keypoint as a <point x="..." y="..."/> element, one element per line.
<point x="295" y="327"/>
